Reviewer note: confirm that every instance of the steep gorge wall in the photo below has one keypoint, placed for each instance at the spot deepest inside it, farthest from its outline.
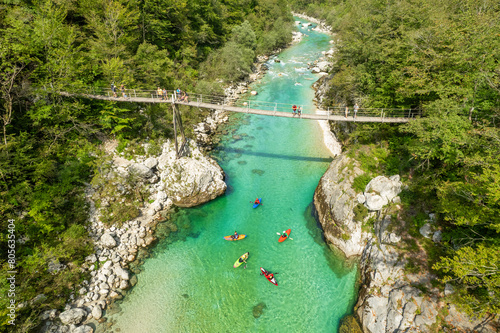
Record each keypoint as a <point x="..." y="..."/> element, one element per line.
<point x="391" y="299"/>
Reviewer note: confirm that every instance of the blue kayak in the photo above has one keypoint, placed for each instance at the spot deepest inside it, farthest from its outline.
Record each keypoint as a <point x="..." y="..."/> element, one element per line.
<point x="257" y="203"/>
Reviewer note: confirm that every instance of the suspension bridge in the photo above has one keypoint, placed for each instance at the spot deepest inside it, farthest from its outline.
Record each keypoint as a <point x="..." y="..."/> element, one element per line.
<point x="230" y="104"/>
<point x="241" y="105"/>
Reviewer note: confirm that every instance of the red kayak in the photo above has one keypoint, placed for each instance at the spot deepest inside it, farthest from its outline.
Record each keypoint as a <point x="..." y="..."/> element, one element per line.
<point x="269" y="276"/>
<point x="283" y="237"/>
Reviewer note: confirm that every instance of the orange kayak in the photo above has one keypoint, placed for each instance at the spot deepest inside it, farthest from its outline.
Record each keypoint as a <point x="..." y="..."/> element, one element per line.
<point x="282" y="238"/>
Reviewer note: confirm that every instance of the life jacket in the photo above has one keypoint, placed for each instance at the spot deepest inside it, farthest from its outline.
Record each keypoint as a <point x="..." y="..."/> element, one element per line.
<point x="294" y="107"/>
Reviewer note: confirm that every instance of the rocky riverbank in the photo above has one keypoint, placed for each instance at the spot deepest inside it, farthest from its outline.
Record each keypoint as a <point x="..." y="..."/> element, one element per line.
<point x="164" y="181"/>
<point x="368" y="226"/>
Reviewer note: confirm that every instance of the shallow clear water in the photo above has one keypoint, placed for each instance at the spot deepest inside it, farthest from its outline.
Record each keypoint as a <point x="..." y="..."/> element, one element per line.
<point x="190" y="285"/>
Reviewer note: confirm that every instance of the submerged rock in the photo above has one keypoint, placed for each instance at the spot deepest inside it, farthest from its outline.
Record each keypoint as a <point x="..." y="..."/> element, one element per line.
<point x="258" y="310"/>
<point x="258" y="172"/>
<point x="349" y="324"/>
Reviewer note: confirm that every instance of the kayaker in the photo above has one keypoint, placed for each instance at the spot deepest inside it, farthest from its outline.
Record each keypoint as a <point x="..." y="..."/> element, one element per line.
<point x="235" y="236"/>
<point x="257" y="201"/>
<point x="284" y="234"/>
<point x="270" y="276"/>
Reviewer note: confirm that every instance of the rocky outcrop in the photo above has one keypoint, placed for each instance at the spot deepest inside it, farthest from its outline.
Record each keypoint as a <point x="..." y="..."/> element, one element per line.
<point x="387" y="300"/>
<point x="334" y="200"/>
<point x="390" y="297"/>
<point x="190" y="181"/>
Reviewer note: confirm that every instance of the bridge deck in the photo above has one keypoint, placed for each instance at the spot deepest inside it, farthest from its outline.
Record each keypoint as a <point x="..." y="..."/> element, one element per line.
<point x="319" y="115"/>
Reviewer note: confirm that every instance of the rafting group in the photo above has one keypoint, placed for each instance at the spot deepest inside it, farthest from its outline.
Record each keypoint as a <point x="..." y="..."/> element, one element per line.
<point x="243" y="259"/>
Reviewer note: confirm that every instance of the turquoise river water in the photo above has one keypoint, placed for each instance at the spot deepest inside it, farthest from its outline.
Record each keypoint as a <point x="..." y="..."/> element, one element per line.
<point x="189" y="284"/>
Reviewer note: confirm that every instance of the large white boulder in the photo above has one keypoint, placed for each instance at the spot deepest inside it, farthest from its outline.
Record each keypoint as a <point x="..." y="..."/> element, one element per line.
<point x="381" y="190"/>
<point x="385" y="187"/>
<point x="375" y="201"/>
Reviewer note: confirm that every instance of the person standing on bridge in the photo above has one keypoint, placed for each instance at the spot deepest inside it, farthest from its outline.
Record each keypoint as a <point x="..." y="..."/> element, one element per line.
<point x="164" y="94"/>
<point x="113" y="89"/>
<point x="294" y="108"/>
<point x="184" y="97"/>
<point x="158" y="92"/>
<point x="356" y="108"/>
<point x="299" y="111"/>
<point x="122" y="89"/>
<point x="346" y="111"/>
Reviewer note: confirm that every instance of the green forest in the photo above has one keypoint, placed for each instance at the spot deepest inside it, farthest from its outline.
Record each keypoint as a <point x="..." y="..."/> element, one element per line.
<point x="442" y="58"/>
<point x="49" y="143"/>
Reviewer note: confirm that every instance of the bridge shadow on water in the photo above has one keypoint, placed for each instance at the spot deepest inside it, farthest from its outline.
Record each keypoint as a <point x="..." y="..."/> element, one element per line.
<point x="272" y="155"/>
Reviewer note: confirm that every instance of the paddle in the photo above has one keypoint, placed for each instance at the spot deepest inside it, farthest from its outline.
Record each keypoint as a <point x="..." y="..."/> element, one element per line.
<point x="284" y="232"/>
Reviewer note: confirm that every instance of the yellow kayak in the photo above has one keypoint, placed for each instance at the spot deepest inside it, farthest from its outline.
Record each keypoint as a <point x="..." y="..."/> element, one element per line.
<point x="231" y="237"/>
<point x="241" y="260"/>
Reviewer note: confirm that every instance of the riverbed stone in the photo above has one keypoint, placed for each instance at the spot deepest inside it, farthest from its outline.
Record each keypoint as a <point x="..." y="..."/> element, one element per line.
<point x="72" y="316"/>
<point x="123" y="285"/>
<point x="121" y="273"/>
<point x="97" y="312"/>
<point x="108" y="241"/>
<point x="83" y="329"/>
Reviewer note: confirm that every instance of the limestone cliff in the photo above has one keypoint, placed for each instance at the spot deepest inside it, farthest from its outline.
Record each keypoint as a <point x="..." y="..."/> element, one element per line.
<point x="391" y="299"/>
<point x="334" y="200"/>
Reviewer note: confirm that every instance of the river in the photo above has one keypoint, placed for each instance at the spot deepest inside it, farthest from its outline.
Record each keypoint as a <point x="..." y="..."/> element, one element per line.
<point x="189" y="284"/>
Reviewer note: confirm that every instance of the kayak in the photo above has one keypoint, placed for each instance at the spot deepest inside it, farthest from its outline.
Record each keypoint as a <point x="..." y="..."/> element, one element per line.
<point x="231" y="237"/>
<point x="255" y="205"/>
<point x="282" y="238"/>
<point x="267" y="275"/>
<point x="241" y="260"/>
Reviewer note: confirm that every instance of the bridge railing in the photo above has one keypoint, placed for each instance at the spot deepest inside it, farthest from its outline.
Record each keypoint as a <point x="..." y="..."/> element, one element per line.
<point x="155" y="96"/>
